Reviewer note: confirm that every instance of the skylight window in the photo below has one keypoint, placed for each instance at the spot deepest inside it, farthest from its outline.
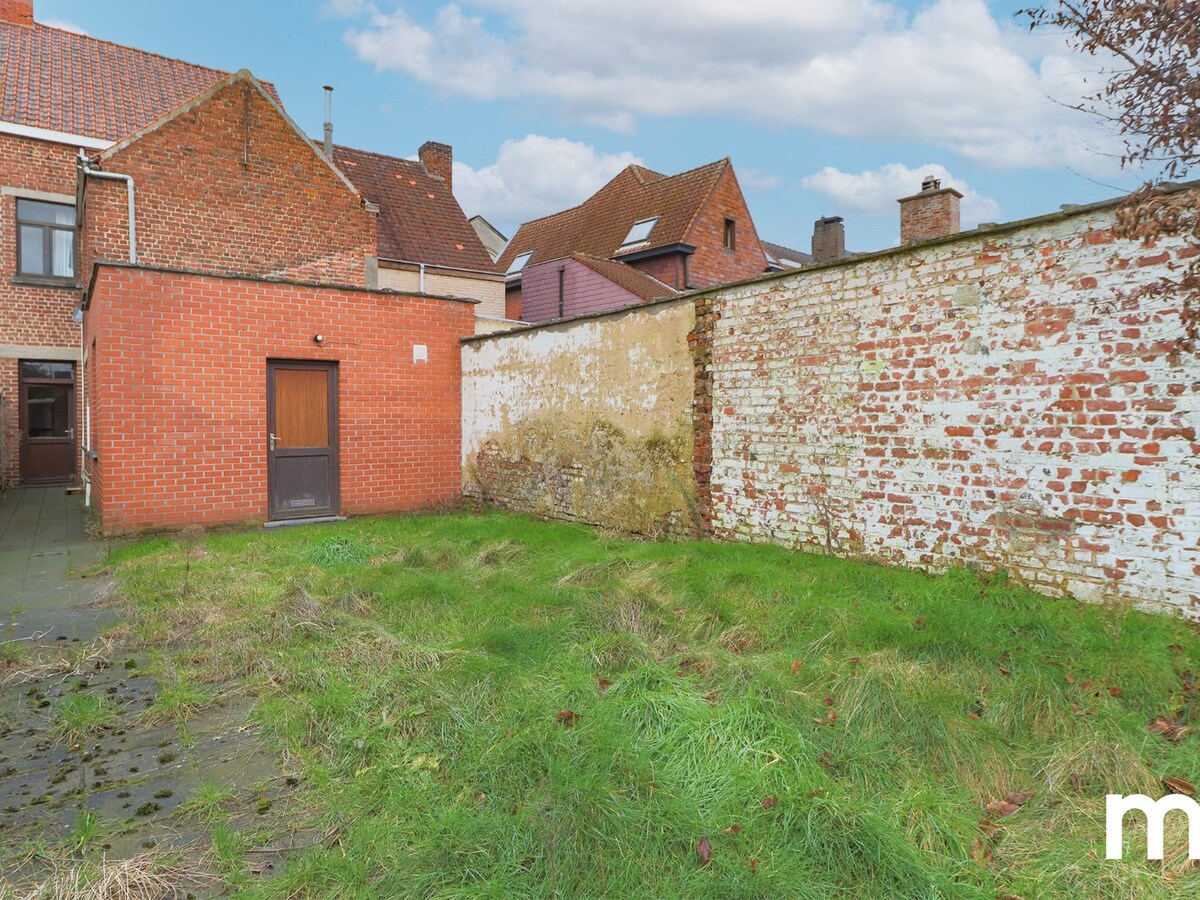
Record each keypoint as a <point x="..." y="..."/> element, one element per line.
<point x="640" y="232"/>
<point x="519" y="263"/>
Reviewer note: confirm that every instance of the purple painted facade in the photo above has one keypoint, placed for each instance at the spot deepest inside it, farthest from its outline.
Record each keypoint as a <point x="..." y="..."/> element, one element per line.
<point x="584" y="292"/>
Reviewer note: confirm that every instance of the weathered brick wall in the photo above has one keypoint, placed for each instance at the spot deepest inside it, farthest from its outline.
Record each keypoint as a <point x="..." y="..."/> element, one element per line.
<point x="228" y="186"/>
<point x="179" y="399"/>
<point x="588" y="421"/>
<point x="32" y="318"/>
<point x="997" y="400"/>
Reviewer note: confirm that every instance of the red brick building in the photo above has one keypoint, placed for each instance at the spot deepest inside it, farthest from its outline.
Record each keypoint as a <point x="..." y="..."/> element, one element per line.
<point x="194" y="307"/>
<point x="690" y="230"/>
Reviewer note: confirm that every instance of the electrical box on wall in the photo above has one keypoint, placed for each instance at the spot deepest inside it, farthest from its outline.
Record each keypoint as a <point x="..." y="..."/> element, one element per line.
<point x="420" y="353"/>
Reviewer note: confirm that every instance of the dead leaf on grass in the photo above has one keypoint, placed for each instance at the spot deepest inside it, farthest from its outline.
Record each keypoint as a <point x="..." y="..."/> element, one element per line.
<point x="567" y="717"/>
<point x="1179" y="786"/>
<point x="735" y="828"/>
<point x="769" y="802"/>
<point x="703" y="851"/>
<point x="982" y="853"/>
<point x="1168" y="730"/>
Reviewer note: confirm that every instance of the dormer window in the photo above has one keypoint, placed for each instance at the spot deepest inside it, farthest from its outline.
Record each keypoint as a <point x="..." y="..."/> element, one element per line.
<point x="639" y="233"/>
<point x="519" y="263"/>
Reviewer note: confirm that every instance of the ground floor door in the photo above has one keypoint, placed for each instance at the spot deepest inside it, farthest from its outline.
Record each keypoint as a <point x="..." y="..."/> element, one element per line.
<point x="47" y="422"/>
<point x="302" y="453"/>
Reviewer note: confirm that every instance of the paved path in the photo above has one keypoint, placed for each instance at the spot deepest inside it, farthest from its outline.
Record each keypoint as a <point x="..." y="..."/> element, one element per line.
<point x="133" y="773"/>
<point x="43" y="538"/>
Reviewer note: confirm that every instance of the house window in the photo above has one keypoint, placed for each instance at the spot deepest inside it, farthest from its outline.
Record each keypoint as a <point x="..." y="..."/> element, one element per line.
<point x="519" y="263"/>
<point x="639" y="233"/>
<point x="45" y="240"/>
<point x="730" y="234"/>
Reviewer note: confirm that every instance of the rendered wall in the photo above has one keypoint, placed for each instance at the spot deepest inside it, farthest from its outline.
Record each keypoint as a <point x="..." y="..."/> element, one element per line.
<point x="588" y="421"/>
<point x="1002" y="401"/>
<point x="488" y="291"/>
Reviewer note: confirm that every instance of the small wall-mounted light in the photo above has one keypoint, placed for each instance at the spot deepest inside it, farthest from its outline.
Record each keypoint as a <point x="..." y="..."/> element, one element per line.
<point x="318" y="339"/>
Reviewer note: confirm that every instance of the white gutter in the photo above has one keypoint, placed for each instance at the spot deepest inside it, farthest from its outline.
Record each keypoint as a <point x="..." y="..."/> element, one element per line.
<point x="86" y="165"/>
<point x="57" y="137"/>
<point x="437" y="267"/>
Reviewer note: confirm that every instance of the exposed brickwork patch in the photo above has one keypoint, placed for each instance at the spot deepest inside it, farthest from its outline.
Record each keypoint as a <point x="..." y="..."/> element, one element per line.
<point x="1001" y="401"/>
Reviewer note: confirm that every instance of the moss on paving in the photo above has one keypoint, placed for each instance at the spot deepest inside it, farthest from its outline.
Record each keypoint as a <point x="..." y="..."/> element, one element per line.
<point x="490" y="705"/>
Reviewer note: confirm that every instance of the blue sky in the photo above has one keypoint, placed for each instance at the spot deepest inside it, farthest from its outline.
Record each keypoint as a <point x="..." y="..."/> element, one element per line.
<point x="826" y="108"/>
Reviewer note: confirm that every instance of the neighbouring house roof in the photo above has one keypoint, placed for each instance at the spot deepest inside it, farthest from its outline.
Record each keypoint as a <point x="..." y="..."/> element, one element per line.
<point x="419" y="219"/>
<point x="633" y="280"/>
<point x="494" y="240"/>
<point x="80" y="85"/>
<point x="599" y="226"/>
<point x="785" y="257"/>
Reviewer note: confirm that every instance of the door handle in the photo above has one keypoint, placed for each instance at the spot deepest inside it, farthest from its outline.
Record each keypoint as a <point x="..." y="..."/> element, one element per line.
<point x="271" y="439"/>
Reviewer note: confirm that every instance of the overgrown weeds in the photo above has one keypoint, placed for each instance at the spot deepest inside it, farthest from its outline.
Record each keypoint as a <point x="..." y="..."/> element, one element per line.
<point x="489" y="705"/>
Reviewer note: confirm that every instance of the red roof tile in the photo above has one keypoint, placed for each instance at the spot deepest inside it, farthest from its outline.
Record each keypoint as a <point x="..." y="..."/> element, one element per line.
<point x="633" y="280"/>
<point x="81" y="85"/>
<point x="601" y="223"/>
<point x="419" y="219"/>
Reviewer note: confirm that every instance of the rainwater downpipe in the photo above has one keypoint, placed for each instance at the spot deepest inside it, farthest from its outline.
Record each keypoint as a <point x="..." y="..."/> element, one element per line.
<point x="86" y="164"/>
<point x="562" y="275"/>
<point x="422" y="288"/>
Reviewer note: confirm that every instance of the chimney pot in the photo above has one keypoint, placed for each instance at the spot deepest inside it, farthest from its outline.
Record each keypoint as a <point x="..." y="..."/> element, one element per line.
<point x="829" y="239"/>
<point x="438" y="160"/>
<point x="932" y="213"/>
<point x="16" y="12"/>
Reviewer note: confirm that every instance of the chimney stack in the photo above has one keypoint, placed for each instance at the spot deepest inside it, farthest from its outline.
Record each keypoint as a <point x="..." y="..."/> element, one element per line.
<point x="438" y="160"/>
<point x="933" y="213"/>
<point x="328" y="121"/>
<point x="829" y="239"/>
<point x="16" y="12"/>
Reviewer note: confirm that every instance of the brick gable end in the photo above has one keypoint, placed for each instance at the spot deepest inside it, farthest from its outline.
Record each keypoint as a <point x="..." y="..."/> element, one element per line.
<point x="228" y="186"/>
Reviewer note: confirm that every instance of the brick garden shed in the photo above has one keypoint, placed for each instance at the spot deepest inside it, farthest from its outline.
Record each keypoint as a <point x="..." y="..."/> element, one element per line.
<point x="237" y="366"/>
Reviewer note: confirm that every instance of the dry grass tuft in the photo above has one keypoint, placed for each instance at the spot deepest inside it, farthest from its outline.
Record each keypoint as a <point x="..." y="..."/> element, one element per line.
<point x="145" y="877"/>
<point x="498" y="554"/>
<point x="1097" y="763"/>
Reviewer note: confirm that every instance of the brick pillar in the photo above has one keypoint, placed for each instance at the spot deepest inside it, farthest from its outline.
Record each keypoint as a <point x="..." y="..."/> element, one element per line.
<point x="16" y="12"/>
<point x="438" y="160"/>
<point x="700" y="343"/>
<point x="933" y="213"/>
<point x="829" y="239"/>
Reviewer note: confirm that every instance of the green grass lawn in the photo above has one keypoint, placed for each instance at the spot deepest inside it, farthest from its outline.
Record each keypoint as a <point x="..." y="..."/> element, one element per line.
<point x="487" y="705"/>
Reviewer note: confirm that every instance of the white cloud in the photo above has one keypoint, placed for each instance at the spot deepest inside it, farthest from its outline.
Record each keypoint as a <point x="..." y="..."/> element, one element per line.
<point x="64" y="25"/>
<point x="534" y="176"/>
<point x="950" y="74"/>
<point x="754" y="179"/>
<point x="346" y="9"/>
<point x="876" y="191"/>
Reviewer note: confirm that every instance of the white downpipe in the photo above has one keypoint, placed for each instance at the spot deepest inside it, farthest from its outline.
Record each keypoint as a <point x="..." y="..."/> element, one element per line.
<point x="422" y="288"/>
<point x="128" y="179"/>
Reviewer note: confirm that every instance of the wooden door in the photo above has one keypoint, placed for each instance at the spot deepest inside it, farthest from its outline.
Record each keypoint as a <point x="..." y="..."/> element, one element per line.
<point x="47" y="422"/>
<point x="302" y="457"/>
